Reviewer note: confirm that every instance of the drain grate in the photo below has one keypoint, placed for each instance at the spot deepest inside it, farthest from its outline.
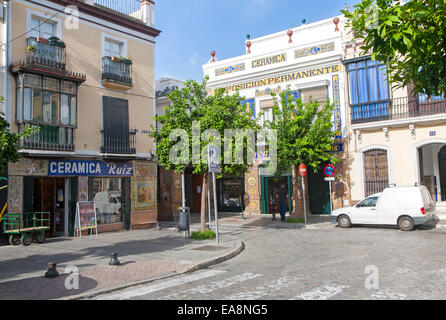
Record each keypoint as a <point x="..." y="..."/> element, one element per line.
<point x="209" y="248"/>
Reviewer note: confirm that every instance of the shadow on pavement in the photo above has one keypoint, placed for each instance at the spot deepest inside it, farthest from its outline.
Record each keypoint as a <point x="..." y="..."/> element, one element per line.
<point x="41" y="288"/>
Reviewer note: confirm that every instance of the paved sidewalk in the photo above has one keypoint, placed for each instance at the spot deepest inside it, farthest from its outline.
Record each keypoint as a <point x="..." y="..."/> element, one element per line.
<point x="144" y="255"/>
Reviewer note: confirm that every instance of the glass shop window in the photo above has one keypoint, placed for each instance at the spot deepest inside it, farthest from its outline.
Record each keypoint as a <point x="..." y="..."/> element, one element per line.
<point x="108" y="197"/>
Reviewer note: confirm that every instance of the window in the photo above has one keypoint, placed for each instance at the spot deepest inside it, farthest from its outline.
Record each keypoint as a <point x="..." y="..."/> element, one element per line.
<point x="113" y="48"/>
<point x="367" y="203"/>
<point x="46" y="100"/>
<point x="369" y="91"/>
<point x="42" y="28"/>
<point x="108" y="196"/>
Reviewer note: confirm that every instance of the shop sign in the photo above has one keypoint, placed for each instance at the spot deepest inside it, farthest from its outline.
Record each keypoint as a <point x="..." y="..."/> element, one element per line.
<point x="85" y="217"/>
<point x="286" y="78"/>
<point x="311" y="51"/>
<point x="337" y="147"/>
<point x="337" y="107"/>
<point x="89" y="168"/>
<point x="229" y="69"/>
<point x="269" y="60"/>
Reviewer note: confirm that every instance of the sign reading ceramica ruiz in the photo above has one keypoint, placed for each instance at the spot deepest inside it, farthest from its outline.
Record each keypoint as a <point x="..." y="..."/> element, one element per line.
<point x="286" y="77"/>
<point x="89" y="168"/>
<point x="269" y="60"/>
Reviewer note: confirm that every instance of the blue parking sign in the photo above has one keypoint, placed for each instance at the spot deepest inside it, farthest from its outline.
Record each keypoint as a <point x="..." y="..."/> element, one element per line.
<point x="213" y="159"/>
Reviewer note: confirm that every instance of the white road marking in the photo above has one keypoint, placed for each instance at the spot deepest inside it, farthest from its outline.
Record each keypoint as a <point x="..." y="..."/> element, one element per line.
<point x="387" y="295"/>
<point x="207" y="288"/>
<point x="321" y="293"/>
<point x="259" y="292"/>
<point x="143" y="290"/>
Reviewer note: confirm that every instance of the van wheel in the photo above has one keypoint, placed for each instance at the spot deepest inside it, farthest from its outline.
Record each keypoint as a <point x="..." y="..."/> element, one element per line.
<point x="344" y="222"/>
<point x="406" y="223"/>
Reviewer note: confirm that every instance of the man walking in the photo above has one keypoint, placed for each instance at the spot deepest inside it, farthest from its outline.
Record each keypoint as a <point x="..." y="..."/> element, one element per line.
<point x="282" y="197"/>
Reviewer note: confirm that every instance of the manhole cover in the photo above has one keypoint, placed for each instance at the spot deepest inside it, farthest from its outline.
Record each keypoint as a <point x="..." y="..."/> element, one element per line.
<point x="209" y="248"/>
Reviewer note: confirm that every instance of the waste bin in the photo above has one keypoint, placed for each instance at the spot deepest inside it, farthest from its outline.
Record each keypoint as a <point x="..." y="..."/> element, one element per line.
<point x="183" y="218"/>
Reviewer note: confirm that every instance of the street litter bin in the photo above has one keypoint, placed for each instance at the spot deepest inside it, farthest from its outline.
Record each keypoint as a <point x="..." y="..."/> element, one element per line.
<point x="183" y="218"/>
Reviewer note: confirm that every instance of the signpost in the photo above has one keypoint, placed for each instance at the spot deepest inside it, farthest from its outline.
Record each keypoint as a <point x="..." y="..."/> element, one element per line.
<point x="329" y="172"/>
<point x="85" y="217"/>
<point x="303" y="173"/>
<point x="214" y="167"/>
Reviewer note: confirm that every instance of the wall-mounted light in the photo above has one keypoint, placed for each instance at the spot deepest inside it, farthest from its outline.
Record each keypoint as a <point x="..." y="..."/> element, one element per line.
<point x="358" y="136"/>
<point x="386" y="132"/>
<point x="412" y="130"/>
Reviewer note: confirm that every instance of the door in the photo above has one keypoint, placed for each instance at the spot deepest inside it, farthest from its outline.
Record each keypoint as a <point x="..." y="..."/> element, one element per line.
<point x="318" y="192"/>
<point x="59" y="210"/>
<point x="116" y="137"/>
<point x="442" y="168"/>
<point x="197" y="182"/>
<point x="365" y="211"/>
<point x="376" y="171"/>
<point x="269" y="186"/>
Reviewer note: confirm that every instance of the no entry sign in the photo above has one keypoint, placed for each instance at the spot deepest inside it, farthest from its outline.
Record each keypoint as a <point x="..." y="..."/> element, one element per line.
<point x="329" y="170"/>
<point x="303" y="170"/>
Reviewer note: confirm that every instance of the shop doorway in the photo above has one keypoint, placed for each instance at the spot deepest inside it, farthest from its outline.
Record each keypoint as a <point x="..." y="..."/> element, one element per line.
<point x="230" y="194"/>
<point x="269" y="186"/>
<point x="442" y="170"/>
<point x="318" y="192"/>
<point x="51" y="195"/>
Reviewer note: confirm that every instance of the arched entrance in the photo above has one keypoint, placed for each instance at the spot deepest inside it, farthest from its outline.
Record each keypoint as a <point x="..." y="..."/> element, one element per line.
<point x="442" y="171"/>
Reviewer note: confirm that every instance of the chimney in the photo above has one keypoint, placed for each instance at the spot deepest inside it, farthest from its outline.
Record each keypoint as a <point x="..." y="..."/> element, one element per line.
<point x="148" y="12"/>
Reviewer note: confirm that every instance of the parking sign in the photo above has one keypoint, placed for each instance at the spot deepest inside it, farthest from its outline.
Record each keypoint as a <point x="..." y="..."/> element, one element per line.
<point x="213" y="159"/>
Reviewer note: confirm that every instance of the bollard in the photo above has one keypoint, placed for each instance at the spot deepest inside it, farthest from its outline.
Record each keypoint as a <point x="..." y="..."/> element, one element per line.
<point x="52" y="272"/>
<point x="114" y="260"/>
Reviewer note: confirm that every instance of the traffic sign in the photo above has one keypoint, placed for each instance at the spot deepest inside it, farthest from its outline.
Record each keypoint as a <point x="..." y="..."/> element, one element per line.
<point x="303" y="170"/>
<point x="329" y="170"/>
<point x="213" y="159"/>
<point x="329" y="178"/>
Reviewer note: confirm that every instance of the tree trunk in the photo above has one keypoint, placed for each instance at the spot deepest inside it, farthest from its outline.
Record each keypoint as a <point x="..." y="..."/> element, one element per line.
<point x="295" y="191"/>
<point x="203" y="201"/>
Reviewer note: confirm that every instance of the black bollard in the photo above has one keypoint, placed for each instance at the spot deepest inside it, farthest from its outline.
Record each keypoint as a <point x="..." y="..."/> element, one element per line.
<point x="52" y="272"/>
<point x="114" y="260"/>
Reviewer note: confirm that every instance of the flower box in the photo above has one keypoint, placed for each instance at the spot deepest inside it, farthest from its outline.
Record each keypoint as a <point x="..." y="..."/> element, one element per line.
<point x="42" y="40"/>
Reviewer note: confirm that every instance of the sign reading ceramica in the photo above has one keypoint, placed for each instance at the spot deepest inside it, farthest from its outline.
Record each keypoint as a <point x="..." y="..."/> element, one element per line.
<point x="89" y="168"/>
<point x="269" y="60"/>
<point x="286" y="77"/>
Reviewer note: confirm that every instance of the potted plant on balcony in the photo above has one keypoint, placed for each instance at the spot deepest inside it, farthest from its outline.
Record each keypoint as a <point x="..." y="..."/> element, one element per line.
<point x="55" y="41"/>
<point x="114" y="58"/>
<point x="126" y="60"/>
<point x="31" y="49"/>
<point x="42" y="40"/>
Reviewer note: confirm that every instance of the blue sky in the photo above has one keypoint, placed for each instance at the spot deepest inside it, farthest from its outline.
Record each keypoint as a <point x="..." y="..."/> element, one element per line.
<point x="192" y="28"/>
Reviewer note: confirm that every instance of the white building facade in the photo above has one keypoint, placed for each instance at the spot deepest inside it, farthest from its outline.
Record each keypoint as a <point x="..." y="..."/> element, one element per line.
<point x="308" y="60"/>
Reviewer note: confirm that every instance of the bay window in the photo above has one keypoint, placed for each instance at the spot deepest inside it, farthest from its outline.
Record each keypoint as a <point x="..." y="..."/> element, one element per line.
<point x="51" y="104"/>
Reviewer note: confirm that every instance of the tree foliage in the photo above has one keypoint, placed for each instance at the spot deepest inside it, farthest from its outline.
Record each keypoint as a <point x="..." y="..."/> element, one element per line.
<point x="218" y="112"/>
<point x="10" y="142"/>
<point x="304" y="132"/>
<point x="410" y="37"/>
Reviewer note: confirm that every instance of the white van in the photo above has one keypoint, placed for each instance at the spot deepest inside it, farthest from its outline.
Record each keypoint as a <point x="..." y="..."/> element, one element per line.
<point x="402" y="206"/>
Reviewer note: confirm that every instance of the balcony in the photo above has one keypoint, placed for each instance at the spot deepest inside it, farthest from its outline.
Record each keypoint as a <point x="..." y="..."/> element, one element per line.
<point x="49" y="137"/>
<point x="136" y="10"/>
<point x="47" y="53"/>
<point x="397" y="109"/>
<point x="116" y="73"/>
<point x="46" y="57"/>
<point x="118" y="142"/>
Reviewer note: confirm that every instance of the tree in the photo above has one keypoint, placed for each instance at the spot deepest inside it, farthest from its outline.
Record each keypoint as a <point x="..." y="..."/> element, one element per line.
<point x="410" y="38"/>
<point x="304" y="135"/>
<point x="10" y="142"/>
<point x="195" y="119"/>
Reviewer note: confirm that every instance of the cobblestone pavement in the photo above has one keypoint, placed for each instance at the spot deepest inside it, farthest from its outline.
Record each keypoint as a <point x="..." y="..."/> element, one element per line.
<point x="144" y="254"/>
<point x="318" y="262"/>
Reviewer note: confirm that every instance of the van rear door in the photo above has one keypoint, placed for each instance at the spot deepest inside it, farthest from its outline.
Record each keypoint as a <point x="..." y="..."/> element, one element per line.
<point x="429" y="204"/>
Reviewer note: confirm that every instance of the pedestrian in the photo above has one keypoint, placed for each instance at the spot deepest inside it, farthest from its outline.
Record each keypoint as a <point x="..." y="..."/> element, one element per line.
<point x="282" y="199"/>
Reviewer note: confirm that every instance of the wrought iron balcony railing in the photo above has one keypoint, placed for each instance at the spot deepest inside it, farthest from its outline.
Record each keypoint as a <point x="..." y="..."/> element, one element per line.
<point x="397" y="109"/>
<point x="118" y="142"/>
<point x="46" y="53"/>
<point x="117" y="71"/>
<point x="128" y="8"/>
<point x="49" y="137"/>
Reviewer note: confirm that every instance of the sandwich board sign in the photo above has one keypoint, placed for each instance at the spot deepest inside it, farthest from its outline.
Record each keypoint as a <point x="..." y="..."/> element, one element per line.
<point x="85" y="218"/>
